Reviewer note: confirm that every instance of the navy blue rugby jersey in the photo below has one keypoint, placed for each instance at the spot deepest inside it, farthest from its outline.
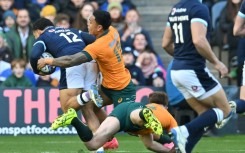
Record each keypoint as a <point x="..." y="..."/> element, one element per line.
<point x="183" y="14"/>
<point x="59" y="42"/>
<point x="241" y="12"/>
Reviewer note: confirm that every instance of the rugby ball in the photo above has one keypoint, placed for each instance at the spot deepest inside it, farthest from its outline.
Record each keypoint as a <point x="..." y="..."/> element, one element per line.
<point x="47" y="69"/>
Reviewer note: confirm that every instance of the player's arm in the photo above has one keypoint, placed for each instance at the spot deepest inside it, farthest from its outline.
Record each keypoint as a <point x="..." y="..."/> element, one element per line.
<point x="88" y="39"/>
<point x="239" y="28"/>
<point x="199" y="31"/>
<point x="66" y="61"/>
<point x="38" y="48"/>
<point x="152" y="145"/>
<point x="167" y="41"/>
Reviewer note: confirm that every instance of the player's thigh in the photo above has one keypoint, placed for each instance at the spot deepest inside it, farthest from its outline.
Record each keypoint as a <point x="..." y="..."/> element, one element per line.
<point x="242" y="92"/>
<point x="91" y="73"/>
<point x="198" y="107"/>
<point x="68" y="98"/>
<point x="107" y="129"/>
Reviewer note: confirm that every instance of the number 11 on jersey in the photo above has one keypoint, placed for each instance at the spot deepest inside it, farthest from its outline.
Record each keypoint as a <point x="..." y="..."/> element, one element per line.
<point x="178" y="32"/>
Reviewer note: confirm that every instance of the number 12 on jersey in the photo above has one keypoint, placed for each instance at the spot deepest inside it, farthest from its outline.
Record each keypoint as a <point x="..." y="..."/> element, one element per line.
<point x="178" y="32"/>
<point x="70" y="40"/>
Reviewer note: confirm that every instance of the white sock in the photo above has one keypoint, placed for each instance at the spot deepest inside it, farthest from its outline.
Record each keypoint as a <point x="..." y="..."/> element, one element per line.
<point x="79" y="101"/>
<point x="84" y="100"/>
<point x="184" y="131"/>
<point x="85" y="96"/>
<point x="219" y="113"/>
<point x="100" y="150"/>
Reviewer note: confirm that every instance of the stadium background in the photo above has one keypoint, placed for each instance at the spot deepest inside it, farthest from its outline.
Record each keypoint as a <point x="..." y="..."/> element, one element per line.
<point x="19" y="116"/>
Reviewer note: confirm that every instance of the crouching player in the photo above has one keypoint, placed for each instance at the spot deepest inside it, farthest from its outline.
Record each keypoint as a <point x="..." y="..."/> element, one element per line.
<point x="128" y="117"/>
<point x="158" y="103"/>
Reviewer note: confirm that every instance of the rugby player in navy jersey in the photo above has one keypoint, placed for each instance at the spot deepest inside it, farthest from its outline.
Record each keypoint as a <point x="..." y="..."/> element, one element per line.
<point x="73" y="80"/>
<point x="186" y="39"/>
<point x="239" y="30"/>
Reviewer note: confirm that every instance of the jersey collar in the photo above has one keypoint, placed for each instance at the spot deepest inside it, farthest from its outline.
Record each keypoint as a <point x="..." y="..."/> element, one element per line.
<point x="104" y="33"/>
<point x="47" y="28"/>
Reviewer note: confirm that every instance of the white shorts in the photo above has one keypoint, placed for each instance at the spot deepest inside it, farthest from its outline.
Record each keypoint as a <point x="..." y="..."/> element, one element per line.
<point x="81" y="76"/>
<point x="199" y="84"/>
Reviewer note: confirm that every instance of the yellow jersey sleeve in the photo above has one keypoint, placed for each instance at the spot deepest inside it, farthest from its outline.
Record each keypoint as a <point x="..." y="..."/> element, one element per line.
<point x="93" y="50"/>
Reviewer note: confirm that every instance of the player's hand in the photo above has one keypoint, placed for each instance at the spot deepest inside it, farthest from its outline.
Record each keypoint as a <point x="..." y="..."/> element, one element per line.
<point x="41" y="73"/>
<point x="222" y="69"/>
<point x="41" y="63"/>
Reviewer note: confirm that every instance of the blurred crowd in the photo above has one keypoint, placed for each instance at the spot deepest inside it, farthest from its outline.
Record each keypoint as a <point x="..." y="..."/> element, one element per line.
<point x="143" y="62"/>
<point x="223" y="14"/>
<point x="16" y="38"/>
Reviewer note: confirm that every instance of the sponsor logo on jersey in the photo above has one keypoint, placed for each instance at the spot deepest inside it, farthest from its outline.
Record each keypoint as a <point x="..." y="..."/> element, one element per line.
<point x="195" y="88"/>
<point x="51" y="30"/>
<point x="120" y="100"/>
<point x="178" y="10"/>
<point x="173" y="11"/>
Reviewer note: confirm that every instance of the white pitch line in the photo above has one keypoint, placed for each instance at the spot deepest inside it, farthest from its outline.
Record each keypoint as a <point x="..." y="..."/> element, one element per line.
<point x="223" y="151"/>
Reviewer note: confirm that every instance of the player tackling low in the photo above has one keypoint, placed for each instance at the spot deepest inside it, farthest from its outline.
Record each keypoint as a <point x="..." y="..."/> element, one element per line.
<point x="189" y="27"/>
<point x="117" y="86"/>
<point x="130" y="117"/>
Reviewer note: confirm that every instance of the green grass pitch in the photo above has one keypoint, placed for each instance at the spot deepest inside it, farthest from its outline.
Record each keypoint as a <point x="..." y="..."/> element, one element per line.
<point x="72" y="144"/>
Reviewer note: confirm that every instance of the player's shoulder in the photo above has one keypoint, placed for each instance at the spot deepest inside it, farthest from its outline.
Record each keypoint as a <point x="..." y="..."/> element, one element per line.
<point x="75" y="30"/>
<point x="49" y="30"/>
<point x="199" y="7"/>
<point x="188" y="7"/>
<point x="113" y="29"/>
<point x="47" y="33"/>
<point x="112" y="32"/>
<point x="243" y="4"/>
<point x="96" y="45"/>
<point x="242" y="8"/>
<point x="40" y="39"/>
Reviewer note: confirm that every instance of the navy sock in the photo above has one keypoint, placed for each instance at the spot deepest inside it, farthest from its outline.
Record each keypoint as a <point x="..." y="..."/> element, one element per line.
<point x="193" y="140"/>
<point x="240" y="106"/>
<point x="208" y="118"/>
<point x="142" y="116"/>
<point x="83" y="131"/>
